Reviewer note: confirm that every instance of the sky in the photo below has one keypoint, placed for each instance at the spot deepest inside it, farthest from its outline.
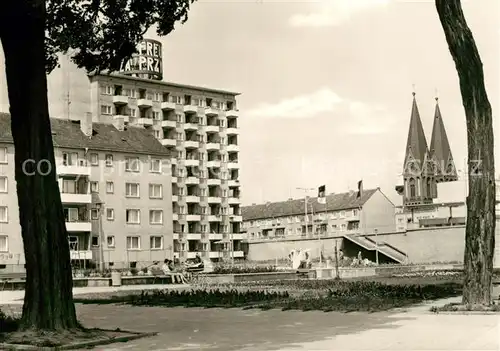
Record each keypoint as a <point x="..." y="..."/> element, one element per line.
<point x="326" y="86"/>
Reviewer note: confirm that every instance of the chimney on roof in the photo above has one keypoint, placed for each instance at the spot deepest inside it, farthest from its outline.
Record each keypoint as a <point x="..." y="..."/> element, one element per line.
<point x="119" y="123"/>
<point x="86" y="124"/>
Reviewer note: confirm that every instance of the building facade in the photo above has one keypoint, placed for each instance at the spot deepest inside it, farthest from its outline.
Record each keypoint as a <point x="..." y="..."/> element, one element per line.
<point x="115" y="186"/>
<point x="199" y="127"/>
<point x="343" y="214"/>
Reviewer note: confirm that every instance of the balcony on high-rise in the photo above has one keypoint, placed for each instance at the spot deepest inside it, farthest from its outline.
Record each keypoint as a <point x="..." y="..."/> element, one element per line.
<point x="119" y="96"/>
<point x="191" y="123"/>
<point x="192" y="159"/>
<point x="192" y="140"/>
<point x="77" y="218"/>
<point x="189" y="107"/>
<point x="233" y="161"/>
<point x="145" y="100"/>
<point x="169" y="120"/>
<point x="167" y="103"/>
<point x="74" y="190"/>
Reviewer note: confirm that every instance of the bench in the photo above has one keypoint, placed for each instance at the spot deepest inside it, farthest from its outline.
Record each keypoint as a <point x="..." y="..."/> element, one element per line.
<point x="303" y="272"/>
<point x="11" y="278"/>
<point x="174" y="276"/>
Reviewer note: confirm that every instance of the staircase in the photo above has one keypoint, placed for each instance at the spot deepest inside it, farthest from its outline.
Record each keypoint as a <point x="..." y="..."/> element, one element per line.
<point x="383" y="248"/>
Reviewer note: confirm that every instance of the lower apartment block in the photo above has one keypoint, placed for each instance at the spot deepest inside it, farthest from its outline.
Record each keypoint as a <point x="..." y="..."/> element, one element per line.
<point x="115" y="187"/>
<point x="351" y="213"/>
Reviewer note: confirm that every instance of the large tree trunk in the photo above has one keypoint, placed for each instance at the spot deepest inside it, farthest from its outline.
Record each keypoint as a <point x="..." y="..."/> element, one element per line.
<point x="48" y="301"/>
<point x="480" y="229"/>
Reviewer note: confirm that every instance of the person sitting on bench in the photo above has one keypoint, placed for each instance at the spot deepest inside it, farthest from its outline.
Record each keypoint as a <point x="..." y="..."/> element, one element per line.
<point x="169" y="270"/>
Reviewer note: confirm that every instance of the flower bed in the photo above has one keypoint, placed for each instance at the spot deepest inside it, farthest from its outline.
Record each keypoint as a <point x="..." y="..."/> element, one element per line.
<point x="243" y="269"/>
<point x="195" y="298"/>
<point x="452" y="273"/>
<point x="333" y="295"/>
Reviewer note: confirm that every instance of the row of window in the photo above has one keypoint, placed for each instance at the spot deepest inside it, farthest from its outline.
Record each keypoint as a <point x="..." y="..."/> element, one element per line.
<point x="182" y="191"/>
<point x="206" y="210"/>
<point x="164" y="97"/>
<point x="161" y="115"/>
<point x="203" y="139"/>
<point x="300" y="219"/>
<point x="300" y="230"/>
<point x="3" y="155"/>
<point x="131" y="189"/>
<point x="201" y="173"/>
<point x="3" y="184"/>
<point x="132" y="216"/>
<point x="203" y="156"/>
<point x="133" y="242"/>
<point x="132" y="164"/>
<point x="204" y="229"/>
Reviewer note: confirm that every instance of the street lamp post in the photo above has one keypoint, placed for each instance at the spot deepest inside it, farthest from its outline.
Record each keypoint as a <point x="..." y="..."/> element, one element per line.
<point x="306" y="190"/>
<point x="99" y="206"/>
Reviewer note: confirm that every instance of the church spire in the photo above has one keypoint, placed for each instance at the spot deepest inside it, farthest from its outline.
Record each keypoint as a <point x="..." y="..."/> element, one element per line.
<point x="416" y="145"/>
<point x="441" y="151"/>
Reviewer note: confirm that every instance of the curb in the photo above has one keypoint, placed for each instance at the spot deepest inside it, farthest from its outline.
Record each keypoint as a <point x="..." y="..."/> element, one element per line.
<point x="466" y="312"/>
<point x="85" y="344"/>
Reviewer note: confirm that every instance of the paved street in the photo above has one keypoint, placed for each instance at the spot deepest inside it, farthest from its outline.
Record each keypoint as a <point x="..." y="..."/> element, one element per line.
<point x="179" y="329"/>
<point x="16" y="297"/>
<point x="254" y="330"/>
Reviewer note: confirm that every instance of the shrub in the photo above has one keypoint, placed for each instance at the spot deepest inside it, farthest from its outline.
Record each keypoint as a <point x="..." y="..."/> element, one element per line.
<point x="195" y="298"/>
<point x="7" y="323"/>
<point x="227" y="269"/>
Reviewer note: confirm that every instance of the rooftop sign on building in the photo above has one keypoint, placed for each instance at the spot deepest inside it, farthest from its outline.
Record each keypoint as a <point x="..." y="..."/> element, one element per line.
<point x="147" y="63"/>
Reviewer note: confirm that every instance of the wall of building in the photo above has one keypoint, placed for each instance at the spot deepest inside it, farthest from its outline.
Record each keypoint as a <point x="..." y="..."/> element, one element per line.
<point x="426" y="245"/>
<point x="13" y="257"/>
<point x="11" y="229"/>
<point x="119" y="202"/>
<point x="378" y="214"/>
<point x="271" y="250"/>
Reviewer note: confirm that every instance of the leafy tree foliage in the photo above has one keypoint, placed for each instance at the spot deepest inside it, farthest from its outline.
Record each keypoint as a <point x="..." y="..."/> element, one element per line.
<point x="102" y="33"/>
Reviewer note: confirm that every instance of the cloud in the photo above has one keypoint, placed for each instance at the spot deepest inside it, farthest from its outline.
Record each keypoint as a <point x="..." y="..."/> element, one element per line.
<point x="334" y="12"/>
<point x="323" y="100"/>
<point x="349" y="116"/>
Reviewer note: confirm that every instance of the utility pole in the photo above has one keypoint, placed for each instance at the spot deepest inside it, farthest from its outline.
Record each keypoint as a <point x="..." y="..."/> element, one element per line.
<point x="337" y="276"/>
<point x="306" y="190"/>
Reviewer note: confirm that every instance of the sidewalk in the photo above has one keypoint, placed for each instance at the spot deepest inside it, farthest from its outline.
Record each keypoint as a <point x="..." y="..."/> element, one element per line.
<point x="189" y="329"/>
<point x="418" y="329"/>
<point x="255" y="330"/>
<point x="16" y="297"/>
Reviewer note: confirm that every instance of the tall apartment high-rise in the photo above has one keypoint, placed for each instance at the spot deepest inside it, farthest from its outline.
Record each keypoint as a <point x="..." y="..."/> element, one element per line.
<point x="199" y="126"/>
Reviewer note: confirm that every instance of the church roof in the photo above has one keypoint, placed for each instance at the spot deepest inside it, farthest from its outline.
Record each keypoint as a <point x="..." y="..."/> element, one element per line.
<point x="416" y="145"/>
<point x="440" y="147"/>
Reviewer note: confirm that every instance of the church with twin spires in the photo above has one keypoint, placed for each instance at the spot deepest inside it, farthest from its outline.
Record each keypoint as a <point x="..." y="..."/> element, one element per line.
<point x="424" y="167"/>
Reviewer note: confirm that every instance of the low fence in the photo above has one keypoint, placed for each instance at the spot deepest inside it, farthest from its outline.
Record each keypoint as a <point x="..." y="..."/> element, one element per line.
<point x="95" y="282"/>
